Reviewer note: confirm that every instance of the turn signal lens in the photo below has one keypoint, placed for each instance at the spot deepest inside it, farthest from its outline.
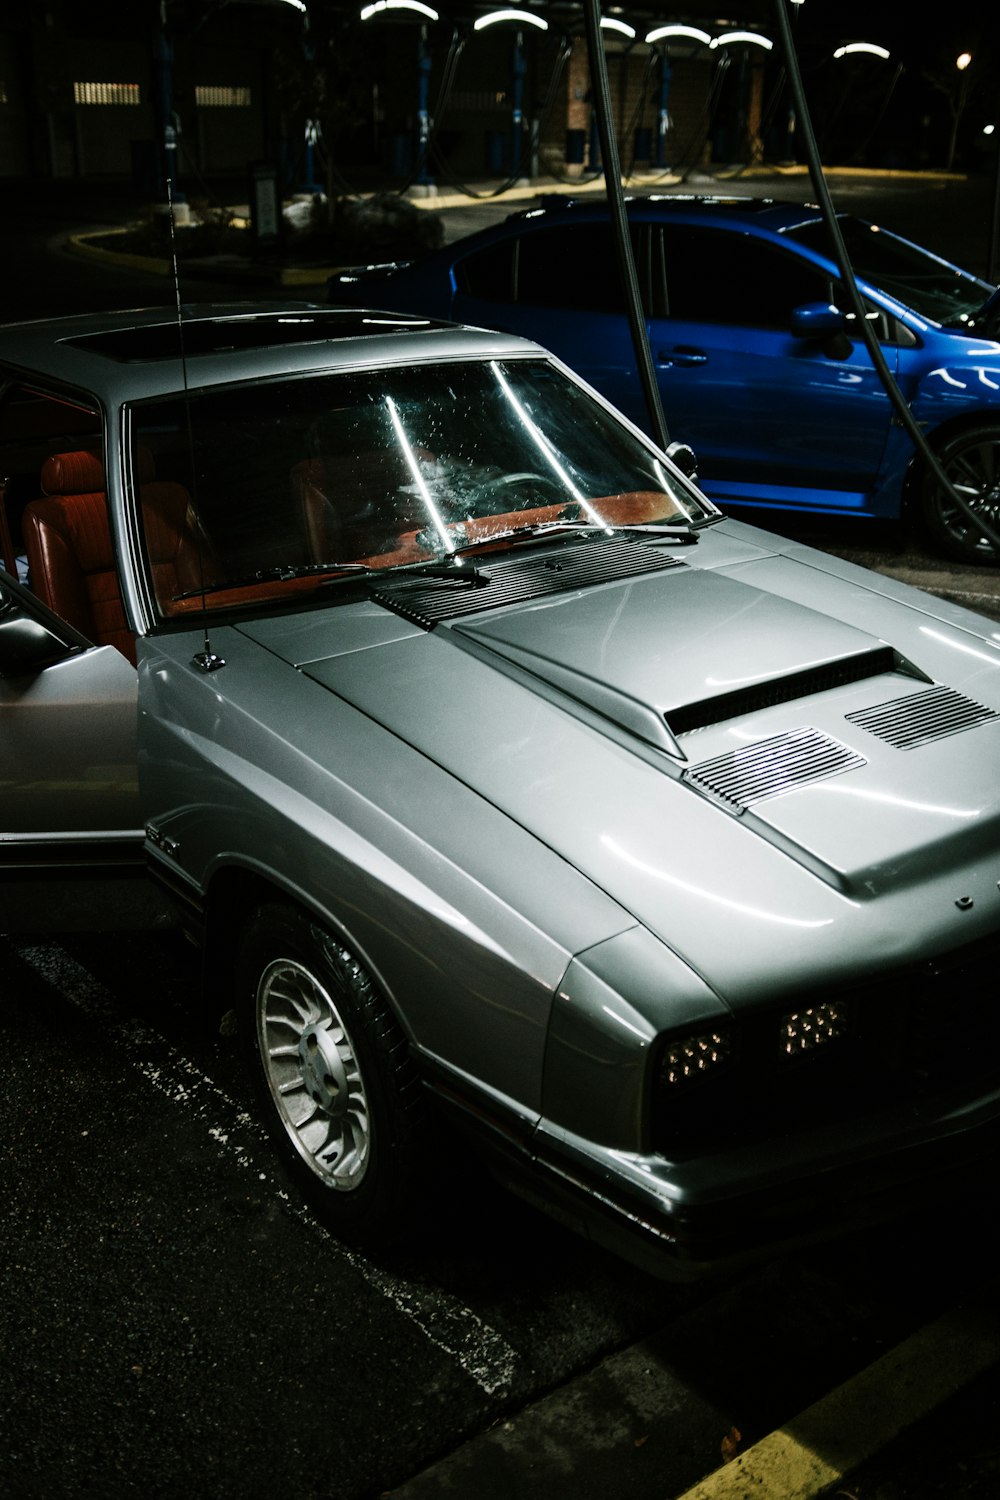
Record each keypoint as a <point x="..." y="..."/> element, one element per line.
<point x="692" y="1057"/>
<point x="805" y="1030"/>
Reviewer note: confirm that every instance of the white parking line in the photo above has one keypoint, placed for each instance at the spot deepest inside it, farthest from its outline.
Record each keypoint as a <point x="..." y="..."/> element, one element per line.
<point x="446" y="1322"/>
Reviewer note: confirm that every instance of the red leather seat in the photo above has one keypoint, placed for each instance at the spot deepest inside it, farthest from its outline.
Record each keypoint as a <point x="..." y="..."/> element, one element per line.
<point x="71" y="561"/>
<point x="180" y="556"/>
<point x="356" y="505"/>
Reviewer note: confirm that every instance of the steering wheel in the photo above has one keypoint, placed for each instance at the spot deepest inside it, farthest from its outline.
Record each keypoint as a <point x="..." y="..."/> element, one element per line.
<point x="494" y="488"/>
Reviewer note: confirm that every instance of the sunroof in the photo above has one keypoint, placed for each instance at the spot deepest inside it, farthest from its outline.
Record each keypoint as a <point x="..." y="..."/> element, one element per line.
<point x="238" y="334"/>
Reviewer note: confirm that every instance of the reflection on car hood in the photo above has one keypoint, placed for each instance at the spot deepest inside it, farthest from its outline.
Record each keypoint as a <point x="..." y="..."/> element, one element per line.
<point x="744" y="753"/>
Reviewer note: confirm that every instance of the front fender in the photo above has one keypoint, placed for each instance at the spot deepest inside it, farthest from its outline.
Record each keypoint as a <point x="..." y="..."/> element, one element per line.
<point x="613" y="1003"/>
<point x="947" y="397"/>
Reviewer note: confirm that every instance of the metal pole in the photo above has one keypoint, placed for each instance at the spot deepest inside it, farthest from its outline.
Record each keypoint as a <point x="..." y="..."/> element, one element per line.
<point x="619" y="220"/>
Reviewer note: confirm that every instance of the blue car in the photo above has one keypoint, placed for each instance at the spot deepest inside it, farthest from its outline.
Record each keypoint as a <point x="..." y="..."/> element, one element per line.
<point x="759" y="367"/>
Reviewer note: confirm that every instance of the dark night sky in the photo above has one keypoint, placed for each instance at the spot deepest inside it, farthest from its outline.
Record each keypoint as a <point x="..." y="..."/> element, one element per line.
<point x="903" y="28"/>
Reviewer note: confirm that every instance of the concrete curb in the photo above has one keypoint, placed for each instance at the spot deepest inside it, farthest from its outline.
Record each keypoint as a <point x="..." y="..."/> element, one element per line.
<point x="633" y="1426"/>
<point x="82" y="242"/>
<point x="80" y="245"/>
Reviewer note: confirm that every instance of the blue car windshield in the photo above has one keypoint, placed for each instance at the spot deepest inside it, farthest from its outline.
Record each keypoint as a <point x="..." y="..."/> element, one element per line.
<point x="931" y="287"/>
<point x="247" y="491"/>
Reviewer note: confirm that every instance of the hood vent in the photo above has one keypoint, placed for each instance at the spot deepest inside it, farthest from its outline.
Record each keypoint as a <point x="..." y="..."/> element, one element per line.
<point x="922" y="718"/>
<point x="771" y="767"/>
<point x="519" y="579"/>
<point x="749" y="700"/>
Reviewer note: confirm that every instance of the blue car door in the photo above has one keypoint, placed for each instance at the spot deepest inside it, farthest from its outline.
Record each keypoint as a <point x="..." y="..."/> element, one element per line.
<point x="560" y="285"/>
<point x="774" y="420"/>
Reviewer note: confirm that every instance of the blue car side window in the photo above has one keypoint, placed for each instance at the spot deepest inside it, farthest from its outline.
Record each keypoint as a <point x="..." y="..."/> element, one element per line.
<point x="567" y="266"/>
<point x="716" y="277"/>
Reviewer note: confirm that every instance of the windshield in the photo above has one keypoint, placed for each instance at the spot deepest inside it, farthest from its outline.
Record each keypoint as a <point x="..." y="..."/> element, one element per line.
<point x="254" y="491"/>
<point x="931" y="287"/>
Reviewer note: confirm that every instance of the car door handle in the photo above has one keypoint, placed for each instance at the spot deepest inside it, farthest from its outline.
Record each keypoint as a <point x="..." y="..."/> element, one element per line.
<point x="682" y="354"/>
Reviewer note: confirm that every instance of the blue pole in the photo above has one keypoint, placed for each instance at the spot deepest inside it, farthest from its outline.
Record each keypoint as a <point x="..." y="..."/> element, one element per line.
<point x="520" y="68"/>
<point x="663" y="123"/>
<point x="423" y="114"/>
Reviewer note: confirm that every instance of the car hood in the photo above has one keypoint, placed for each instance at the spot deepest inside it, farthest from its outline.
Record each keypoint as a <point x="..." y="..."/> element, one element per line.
<point x="757" y="758"/>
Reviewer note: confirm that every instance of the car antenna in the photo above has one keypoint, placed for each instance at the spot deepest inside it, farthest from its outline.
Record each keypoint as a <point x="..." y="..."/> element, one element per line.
<point x="205" y="660"/>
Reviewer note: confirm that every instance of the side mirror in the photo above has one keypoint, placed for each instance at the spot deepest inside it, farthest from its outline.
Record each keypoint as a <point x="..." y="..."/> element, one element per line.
<point x="684" y="458"/>
<point x="821" y="322"/>
<point x="817" y="320"/>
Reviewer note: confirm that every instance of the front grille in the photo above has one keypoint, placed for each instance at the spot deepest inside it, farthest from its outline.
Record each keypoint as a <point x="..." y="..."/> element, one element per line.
<point x="922" y="718"/>
<point x="929" y="1029"/>
<point x="772" y="766"/>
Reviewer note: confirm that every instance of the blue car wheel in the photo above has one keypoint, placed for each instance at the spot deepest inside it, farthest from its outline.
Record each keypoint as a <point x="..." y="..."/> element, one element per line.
<point x="971" y="459"/>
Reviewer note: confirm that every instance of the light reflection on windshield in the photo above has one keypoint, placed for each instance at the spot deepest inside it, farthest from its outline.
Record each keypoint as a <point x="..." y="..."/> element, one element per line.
<point x="538" y="438"/>
<point x="447" y="540"/>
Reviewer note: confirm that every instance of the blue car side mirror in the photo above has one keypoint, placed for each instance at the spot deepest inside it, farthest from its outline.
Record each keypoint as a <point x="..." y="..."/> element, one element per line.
<point x="817" y="320"/>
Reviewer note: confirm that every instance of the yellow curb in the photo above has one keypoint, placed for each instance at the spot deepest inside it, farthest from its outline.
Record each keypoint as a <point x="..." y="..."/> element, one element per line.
<point x="307" y="275"/>
<point x="532" y="190"/>
<point x="825" y="1443"/>
<point x="80" y="244"/>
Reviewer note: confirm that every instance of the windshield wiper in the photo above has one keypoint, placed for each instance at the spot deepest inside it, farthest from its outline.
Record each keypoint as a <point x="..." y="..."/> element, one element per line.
<point x="541" y="531"/>
<point x="277" y="574"/>
<point x="685" y="535"/>
<point x="516" y="535"/>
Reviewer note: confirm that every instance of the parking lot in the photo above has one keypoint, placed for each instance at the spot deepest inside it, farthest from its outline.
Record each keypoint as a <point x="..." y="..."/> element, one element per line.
<point x="174" y="1323"/>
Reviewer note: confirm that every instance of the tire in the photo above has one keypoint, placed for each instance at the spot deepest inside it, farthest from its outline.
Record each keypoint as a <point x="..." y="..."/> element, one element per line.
<point x="971" y="460"/>
<point x="332" y="1073"/>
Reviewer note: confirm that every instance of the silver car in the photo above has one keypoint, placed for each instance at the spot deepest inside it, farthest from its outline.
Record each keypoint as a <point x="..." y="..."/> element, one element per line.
<point x="505" y="783"/>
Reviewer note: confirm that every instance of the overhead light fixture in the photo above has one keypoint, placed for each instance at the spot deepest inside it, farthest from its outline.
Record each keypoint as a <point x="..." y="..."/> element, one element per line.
<point x="608" y="23"/>
<point x="416" y="5"/>
<point x="754" y="38"/>
<point x="682" y="33"/>
<point x="521" y="17"/>
<point x="870" y="47"/>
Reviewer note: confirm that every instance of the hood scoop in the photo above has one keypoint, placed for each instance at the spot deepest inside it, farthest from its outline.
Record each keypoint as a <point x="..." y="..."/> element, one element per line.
<point x="519" y="579"/>
<point x="793" y="685"/>
<point x="922" y="718"/>
<point x="771" y="766"/>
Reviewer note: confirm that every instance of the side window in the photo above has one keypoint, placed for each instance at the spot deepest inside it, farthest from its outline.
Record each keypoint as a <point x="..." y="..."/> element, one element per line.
<point x="889" y="329"/>
<point x="488" y="274"/>
<point x="35" y="430"/>
<point x="714" y="276"/>
<point x="571" y="266"/>
<point x="567" y="265"/>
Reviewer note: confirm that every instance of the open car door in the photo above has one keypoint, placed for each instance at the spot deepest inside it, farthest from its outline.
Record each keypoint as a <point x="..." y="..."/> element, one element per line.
<point x="71" y="854"/>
